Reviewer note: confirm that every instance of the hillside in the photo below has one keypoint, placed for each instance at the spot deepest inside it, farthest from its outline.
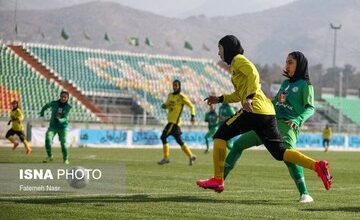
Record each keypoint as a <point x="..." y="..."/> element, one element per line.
<point x="267" y="36"/>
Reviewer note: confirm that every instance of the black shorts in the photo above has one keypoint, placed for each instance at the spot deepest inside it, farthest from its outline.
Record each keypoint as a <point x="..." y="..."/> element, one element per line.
<point x="265" y="127"/>
<point x="12" y="132"/>
<point x="174" y="130"/>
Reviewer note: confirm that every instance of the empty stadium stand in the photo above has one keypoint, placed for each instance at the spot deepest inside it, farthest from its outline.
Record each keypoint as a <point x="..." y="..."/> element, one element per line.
<point x="20" y="81"/>
<point x="145" y="78"/>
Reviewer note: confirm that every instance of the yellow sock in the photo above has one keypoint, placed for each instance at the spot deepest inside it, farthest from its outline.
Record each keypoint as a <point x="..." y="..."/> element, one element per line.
<point x="166" y="151"/>
<point x="186" y="150"/>
<point x="26" y="144"/>
<point x="294" y="156"/>
<point x="219" y="154"/>
<point x="12" y="139"/>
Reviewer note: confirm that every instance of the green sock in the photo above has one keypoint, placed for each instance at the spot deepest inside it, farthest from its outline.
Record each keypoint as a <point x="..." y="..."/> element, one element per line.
<point x="231" y="159"/>
<point x="297" y="173"/>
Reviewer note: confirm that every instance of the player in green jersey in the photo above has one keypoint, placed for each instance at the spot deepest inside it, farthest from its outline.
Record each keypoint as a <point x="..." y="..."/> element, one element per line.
<point x="212" y="119"/>
<point x="59" y="124"/>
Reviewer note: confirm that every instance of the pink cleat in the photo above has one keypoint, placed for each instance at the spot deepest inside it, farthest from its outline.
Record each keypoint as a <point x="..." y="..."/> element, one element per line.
<point x="213" y="183"/>
<point x="322" y="169"/>
<point x="16" y="144"/>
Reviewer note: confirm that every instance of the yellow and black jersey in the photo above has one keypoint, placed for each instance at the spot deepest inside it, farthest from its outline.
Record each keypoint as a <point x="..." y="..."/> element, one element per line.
<point x="17" y="118"/>
<point x="246" y="81"/>
<point x="175" y="104"/>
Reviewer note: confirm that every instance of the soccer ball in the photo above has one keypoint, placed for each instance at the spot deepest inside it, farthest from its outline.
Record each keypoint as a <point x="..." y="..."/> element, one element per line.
<point x="77" y="177"/>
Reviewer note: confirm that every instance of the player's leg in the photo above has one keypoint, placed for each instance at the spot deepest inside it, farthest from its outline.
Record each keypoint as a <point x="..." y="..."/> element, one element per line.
<point x="209" y="135"/>
<point x="240" y="123"/>
<point x="245" y="141"/>
<point x="22" y="137"/>
<point x="272" y="141"/>
<point x="166" y="148"/>
<point x="49" y="136"/>
<point x="229" y="144"/>
<point x="176" y="133"/>
<point x="63" y="133"/>
<point x="289" y="138"/>
<point x="327" y="143"/>
<point x="10" y="136"/>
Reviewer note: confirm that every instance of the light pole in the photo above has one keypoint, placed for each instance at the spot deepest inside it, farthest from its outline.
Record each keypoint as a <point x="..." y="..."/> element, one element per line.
<point x="336" y="28"/>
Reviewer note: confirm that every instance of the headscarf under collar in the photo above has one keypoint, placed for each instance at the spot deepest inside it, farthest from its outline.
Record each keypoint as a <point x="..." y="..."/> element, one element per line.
<point x="232" y="47"/>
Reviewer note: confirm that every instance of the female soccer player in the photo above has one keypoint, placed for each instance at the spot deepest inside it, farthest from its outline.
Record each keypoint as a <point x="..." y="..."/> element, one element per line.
<point x="59" y="124"/>
<point x="257" y="114"/>
<point x="16" y="121"/>
<point x="174" y="104"/>
<point x="294" y="104"/>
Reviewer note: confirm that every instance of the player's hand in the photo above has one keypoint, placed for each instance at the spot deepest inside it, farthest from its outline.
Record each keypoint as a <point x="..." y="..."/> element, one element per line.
<point x="212" y="100"/>
<point x="291" y="124"/>
<point x="192" y="119"/>
<point x="163" y="106"/>
<point x="9" y="122"/>
<point x="248" y="106"/>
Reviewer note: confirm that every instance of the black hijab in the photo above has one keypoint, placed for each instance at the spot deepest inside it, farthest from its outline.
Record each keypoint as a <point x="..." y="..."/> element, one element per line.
<point x="232" y="47"/>
<point x="301" y="71"/>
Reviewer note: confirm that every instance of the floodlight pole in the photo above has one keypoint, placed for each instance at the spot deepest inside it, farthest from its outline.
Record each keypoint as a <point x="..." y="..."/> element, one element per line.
<point x="336" y="28"/>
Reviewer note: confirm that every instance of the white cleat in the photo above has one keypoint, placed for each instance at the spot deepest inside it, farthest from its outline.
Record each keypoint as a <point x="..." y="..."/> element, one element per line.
<point x="304" y="198"/>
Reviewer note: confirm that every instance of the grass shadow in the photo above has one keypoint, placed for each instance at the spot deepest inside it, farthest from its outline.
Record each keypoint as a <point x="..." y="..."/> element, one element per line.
<point x="140" y="198"/>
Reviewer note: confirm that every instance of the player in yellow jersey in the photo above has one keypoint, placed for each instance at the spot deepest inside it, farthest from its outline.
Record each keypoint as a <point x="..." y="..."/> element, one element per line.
<point x="175" y="104"/>
<point x="17" y="128"/>
<point x="257" y="114"/>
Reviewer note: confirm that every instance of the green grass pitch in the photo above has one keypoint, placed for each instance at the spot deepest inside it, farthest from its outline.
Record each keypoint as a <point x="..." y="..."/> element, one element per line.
<point x="258" y="188"/>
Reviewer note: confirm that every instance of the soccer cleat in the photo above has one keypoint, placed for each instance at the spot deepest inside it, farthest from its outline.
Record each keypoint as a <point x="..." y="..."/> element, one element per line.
<point x="322" y="169"/>
<point x="163" y="161"/>
<point x="215" y="184"/>
<point x="16" y="144"/>
<point x="28" y="151"/>
<point x="192" y="160"/>
<point x="66" y="162"/>
<point x="48" y="160"/>
<point x="305" y="198"/>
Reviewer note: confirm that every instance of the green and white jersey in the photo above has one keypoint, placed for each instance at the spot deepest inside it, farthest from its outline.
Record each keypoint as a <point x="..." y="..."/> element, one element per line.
<point x="212" y="119"/>
<point x="225" y="111"/>
<point x="294" y="101"/>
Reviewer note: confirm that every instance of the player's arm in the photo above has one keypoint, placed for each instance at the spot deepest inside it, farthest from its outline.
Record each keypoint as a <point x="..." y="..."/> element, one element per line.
<point x="166" y="104"/>
<point x="189" y="104"/>
<point x="308" y="98"/>
<point x="44" y="108"/>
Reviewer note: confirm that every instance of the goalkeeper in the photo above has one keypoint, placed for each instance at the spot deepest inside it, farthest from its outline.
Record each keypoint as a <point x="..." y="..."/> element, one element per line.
<point x="59" y="124"/>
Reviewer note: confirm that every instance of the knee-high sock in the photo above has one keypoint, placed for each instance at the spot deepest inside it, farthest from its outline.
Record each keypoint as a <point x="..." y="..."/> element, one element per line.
<point x="166" y="151"/>
<point x="26" y="144"/>
<point x="297" y="173"/>
<point x="219" y="155"/>
<point x="231" y="159"/>
<point x="48" y="141"/>
<point x="186" y="150"/>
<point x="12" y="139"/>
<point x="294" y="156"/>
